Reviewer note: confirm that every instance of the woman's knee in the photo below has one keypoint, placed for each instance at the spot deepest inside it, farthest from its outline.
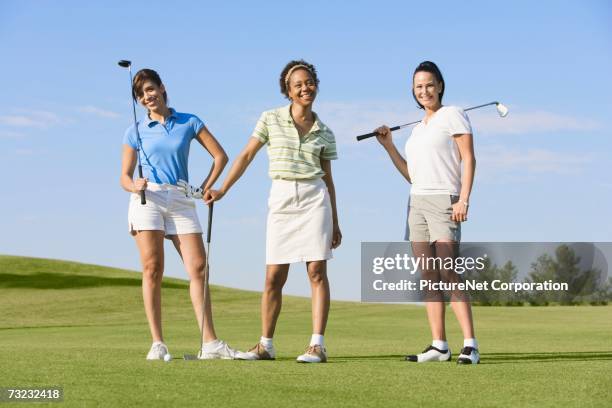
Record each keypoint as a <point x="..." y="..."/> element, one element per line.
<point x="275" y="280"/>
<point x="153" y="269"/>
<point x="317" y="272"/>
<point x="196" y="268"/>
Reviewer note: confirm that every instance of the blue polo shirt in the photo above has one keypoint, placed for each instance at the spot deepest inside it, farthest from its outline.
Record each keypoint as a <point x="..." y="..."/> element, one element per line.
<point x="165" y="148"/>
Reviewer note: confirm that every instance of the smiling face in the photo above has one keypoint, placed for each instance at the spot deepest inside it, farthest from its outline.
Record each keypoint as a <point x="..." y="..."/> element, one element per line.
<point x="302" y="88"/>
<point x="427" y="89"/>
<point x="151" y="96"/>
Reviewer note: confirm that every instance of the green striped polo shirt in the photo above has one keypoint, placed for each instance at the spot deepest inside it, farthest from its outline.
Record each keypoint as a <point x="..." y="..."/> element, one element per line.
<point x="292" y="157"/>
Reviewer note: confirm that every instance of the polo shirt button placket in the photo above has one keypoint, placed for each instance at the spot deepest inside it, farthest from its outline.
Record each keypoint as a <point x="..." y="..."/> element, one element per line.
<point x="298" y="135"/>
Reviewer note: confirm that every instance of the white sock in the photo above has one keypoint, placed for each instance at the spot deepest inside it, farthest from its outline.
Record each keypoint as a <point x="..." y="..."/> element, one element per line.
<point x="158" y="342"/>
<point x="211" y="345"/>
<point x="317" y="339"/>
<point x="440" y="344"/>
<point x="266" y="342"/>
<point x="470" y="343"/>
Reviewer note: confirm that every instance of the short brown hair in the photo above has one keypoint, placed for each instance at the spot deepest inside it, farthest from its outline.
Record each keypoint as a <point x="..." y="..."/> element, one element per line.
<point x="143" y="76"/>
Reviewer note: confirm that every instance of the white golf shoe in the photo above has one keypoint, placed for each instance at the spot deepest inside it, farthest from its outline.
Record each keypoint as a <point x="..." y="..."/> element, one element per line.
<point x="158" y="351"/>
<point x="430" y="354"/>
<point x="313" y="354"/>
<point x="469" y="355"/>
<point x="218" y="350"/>
<point x="258" y="352"/>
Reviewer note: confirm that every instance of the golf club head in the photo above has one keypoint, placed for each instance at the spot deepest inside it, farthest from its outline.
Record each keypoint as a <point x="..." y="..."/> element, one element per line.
<point x="124" y="63"/>
<point x="501" y="109"/>
<point x="190" y="357"/>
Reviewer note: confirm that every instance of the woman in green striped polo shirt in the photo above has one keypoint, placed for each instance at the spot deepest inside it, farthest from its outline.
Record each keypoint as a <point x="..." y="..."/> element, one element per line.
<point x="302" y="218"/>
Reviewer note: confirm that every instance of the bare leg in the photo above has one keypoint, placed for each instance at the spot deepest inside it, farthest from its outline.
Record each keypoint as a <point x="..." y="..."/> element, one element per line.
<point x="191" y="249"/>
<point x="460" y="301"/>
<point x="434" y="300"/>
<point x="319" y="285"/>
<point x="272" y="297"/>
<point x="151" y="247"/>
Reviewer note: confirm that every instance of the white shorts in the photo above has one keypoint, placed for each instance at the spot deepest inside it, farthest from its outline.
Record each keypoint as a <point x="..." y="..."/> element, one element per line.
<point x="167" y="209"/>
<point x="299" y="222"/>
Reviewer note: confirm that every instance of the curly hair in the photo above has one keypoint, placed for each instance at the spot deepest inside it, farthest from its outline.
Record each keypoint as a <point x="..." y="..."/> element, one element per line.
<point x="284" y="81"/>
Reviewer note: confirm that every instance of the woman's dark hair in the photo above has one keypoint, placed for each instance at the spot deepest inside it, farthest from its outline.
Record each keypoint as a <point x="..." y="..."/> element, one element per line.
<point x="143" y="76"/>
<point x="284" y="83"/>
<point x="428" y="66"/>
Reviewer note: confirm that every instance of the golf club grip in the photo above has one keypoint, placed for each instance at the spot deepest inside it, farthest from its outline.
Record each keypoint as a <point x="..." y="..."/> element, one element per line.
<point x="368" y="135"/>
<point x="210" y="214"/>
<point x="143" y="199"/>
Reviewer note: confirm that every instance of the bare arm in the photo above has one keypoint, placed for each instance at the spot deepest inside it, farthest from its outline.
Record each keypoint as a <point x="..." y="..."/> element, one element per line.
<point x="128" y="164"/>
<point x="238" y="167"/>
<point x="329" y="182"/>
<point x="385" y="139"/>
<point x="465" y="144"/>
<point x="212" y="146"/>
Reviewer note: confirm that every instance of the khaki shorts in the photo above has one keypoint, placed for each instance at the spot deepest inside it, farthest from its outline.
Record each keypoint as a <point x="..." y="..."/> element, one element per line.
<point x="167" y="209"/>
<point x="429" y="218"/>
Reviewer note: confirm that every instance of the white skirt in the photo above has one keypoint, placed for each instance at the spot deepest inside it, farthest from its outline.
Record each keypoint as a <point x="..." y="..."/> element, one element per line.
<point x="299" y="222"/>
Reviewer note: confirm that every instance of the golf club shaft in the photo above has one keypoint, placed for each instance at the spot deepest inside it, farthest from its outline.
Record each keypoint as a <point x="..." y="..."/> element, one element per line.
<point x="481" y="106"/>
<point x="206" y="273"/>
<point x="143" y="199"/>
<point x="210" y="215"/>
<point x="204" y="297"/>
<point x="394" y="128"/>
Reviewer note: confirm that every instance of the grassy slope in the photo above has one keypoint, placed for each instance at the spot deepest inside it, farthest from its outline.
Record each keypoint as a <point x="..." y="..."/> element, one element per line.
<point x="83" y="327"/>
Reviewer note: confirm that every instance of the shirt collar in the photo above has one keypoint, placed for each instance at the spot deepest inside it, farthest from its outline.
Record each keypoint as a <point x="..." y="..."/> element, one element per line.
<point x="285" y="115"/>
<point x="150" y="122"/>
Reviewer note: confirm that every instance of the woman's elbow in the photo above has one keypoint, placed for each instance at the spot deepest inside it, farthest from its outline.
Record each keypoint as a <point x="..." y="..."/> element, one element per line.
<point x="223" y="159"/>
<point x="469" y="160"/>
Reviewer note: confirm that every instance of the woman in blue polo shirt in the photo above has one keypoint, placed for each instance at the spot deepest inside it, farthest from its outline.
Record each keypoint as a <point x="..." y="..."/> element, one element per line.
<point x="165" y="138"/>
<point x="302" y="218"/>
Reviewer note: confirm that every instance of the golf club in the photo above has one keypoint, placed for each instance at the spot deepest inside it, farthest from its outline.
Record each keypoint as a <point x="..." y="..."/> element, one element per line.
<point x="501" y="109"/>
<point x="128" y="64"/>
<point x="206" y="270"/>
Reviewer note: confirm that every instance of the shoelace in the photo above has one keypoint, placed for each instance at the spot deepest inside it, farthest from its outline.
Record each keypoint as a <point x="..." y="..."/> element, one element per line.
<point x="255" y="348"/>
<point x="227" y="349"/>
<point x="312" y="349"/>
<point x="430" y="347"/>
<point x="158" y="348"/>
<point x="467" y="350"/>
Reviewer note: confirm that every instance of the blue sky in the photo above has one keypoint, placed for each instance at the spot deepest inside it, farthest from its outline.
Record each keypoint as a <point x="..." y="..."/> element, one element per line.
<point x="543" y="173"/>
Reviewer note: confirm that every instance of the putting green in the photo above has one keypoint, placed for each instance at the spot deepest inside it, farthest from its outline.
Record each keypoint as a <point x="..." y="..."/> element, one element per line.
<point x="83" y="327"/>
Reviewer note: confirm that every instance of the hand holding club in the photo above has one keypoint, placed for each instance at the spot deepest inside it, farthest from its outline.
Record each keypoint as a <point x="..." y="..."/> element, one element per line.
<point x="140" y="184"/>
<point x="383" y="135"/>
<point x="211" y="196"/>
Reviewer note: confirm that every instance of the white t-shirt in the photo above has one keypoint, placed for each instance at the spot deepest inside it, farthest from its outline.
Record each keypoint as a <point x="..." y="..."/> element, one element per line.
<point x="434" y="163"/>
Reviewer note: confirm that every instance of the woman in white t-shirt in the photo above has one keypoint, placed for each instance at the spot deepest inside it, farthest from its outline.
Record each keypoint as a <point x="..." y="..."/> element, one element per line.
<point x="440" y="165"/>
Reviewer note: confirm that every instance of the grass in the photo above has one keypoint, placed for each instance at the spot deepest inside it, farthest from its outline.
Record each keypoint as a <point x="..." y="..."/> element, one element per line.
<point x="83" y="327"/>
